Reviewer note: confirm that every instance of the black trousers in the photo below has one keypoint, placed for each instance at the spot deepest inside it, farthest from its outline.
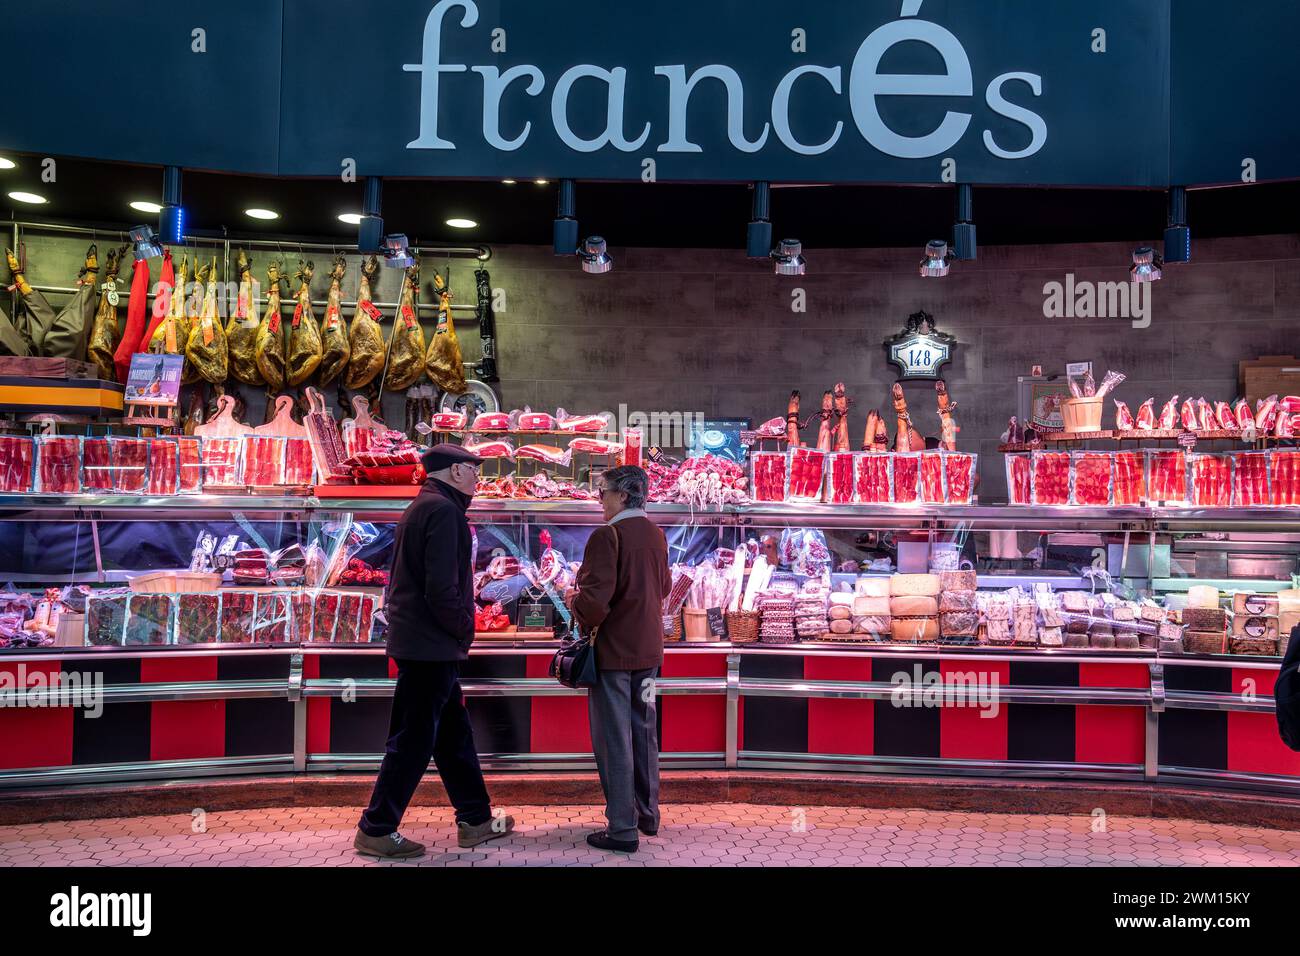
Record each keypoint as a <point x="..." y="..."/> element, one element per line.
<point x="429" y="721"/>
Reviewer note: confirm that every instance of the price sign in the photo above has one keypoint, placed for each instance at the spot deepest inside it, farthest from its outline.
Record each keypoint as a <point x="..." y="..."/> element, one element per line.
<point x="717" y="623"/>
<point x="919" y="350"/>
<point x="535" y="617"/>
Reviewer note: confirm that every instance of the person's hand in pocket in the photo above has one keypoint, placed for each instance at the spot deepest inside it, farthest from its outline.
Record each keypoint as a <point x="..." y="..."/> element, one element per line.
<point x="569" y="597"/>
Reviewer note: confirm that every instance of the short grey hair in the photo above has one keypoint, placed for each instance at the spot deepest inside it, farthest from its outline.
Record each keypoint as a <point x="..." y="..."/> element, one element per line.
<point x="630" y="480"/>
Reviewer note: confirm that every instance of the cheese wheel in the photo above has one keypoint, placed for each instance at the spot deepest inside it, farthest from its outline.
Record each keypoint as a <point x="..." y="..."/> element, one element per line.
<point x="872" y="624"/>
<point x="844" y="598"/>
<point x="915" y="630"/>
<point x="913" y="585"/>
<point x="1258" y="605"/>
<point x="1202" y="595"/>
<point x="1127" y="641"/>
<point x="839" y="612"/>
<point x="1098" y="639"/>
<point x="875" y="586"/>
<point x="863" y="606"/>
<point x="957" y="580"/>
<point x="1257" y="626"/>
<point x="913" y="606"/>
<point x="841" y="627"/>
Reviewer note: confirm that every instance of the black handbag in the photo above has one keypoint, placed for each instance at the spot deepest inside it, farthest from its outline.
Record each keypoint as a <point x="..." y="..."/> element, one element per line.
<point x="574" y="664"/>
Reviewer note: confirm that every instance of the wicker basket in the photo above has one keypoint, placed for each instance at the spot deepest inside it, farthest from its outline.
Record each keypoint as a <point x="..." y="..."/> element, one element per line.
<point x="742" y="627"/>
<point x="672" y="628"/>
<point x="175" y="582"/>
<point x="1082" y="414"/>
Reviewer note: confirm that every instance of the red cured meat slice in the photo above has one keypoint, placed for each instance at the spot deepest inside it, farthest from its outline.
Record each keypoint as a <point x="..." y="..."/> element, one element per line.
<point x="872" y="486"/>
<point x="907" y="478"/>
<point x="1018" y="479"/>
<point x="58" y="465"/>
<point x="1051" y="478"/>
<point x="221" y="457"/>
<point x="191" y="464"/>
<point x="1092" y="478"/>
<point x="932" y="479"/>
<point x="96" y="465"/>
<point x="769" y="473"/>
<point x="1130" y="482"/>
<point x="164" y="467"/>
<point x="841" y="483"/>
<point x="15" y="464"/>
<point x="957" y="473"/>
<point x="1168" y="476"/>
<point x="130" y="462"/>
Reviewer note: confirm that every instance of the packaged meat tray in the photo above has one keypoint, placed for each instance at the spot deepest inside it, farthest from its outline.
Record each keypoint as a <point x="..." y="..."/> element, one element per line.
<point x="272" y="611"/>
<point x="1250" y="479"/>
<point x="932" y="487"/>
<point x="198" y="617"/>
<point x="96" y="465"/>
<point x="164" y="466"/>
<point x="325" y="614"/>
<point x="1018" y="479"/>
<point x="221" y="459"/>
<point x="58" y="465"/>
<point x="264" y="460"/>
<point x="1285" y="470"/>
<point x="238" y="615"/>
<point x="190" y="453"/>
<point x="16" y="454"/>
<point x="871" y="478"/>
<point x="905" y="477"/>
<point x="807" y="473"/>
<point x="1130" y="478"/>
<point x="349" y="615"/>
<point x="366" y="619"/>
<point x="150" y="619"/>
<point x="1050" y="477"/>
<point x="300" y="617"/>
<point x="840" y="479"/>
<point x="1167" y="476"/>
<point x="129" y="459"/>
<point x="1093" y="474"/>
<point x="299" y="467"/>
<point x="959" y="477"/>
<point x="105" y="619"/>
<point x="768" y="472"/>
<point x="1211" y="479"/>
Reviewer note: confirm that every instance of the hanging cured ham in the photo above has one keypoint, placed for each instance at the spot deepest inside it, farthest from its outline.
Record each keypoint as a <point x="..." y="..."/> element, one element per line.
<point x="241" y="328"/>
<point x="268" y="350"/>
<point x="193" y="299"/>
<point x="908" y="438"/>
<point x="169" y="335"/>
<point x="335" y="349"/>
<point x="948" y="424"/>
<point x="444" y="363"/>
<point x="365" y="336"/>
<point x="406" y="347"/>
<point x="137" y="312"/>
<point x="304" y="333"/>
<point x="105" y="335"/>
<point x="206" y="349"/>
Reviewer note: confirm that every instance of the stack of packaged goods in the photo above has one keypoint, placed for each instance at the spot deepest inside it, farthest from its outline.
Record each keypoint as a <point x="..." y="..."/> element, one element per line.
<point x="810" y="612"/>
<point x="776" y="616"/>
<point x="914" y="608"/>
<point x="871" y="617"/>
<point x="959" y="616"/>
<point x="1255" y="624"/>
<point x="1024" y="619"/>
<point x="1051" y="623"/>
<point x="1205" y="623"/>
<point x="840" y="615"/>
<point x="995" y="616"/>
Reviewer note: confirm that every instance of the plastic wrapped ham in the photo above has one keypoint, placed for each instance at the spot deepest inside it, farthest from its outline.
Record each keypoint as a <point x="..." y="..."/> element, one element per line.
<point x="495" y="421"/>
<point x="1109" y="383"/>
<point x="1187" y="416"/>
<point x="1167" y="476"/>
<point x="1205" y="419"/>
<point x="1211" y="478"/>
<point x="1242" y="413"/>
<point x="1266" y="414"/>
<point x="531" y="421"/>
<point x="129" y="459"/>
<point x="1168" y="415"/>
<point x="1018" y="479"/>
<point x="871" y="481"/>
<point x="1146" y="416"/>
<point x="1250" y="479"/>
<point x="582" y="423"/>
<point x="1286" y="477"/>
<point x="958" y="477"/>
<point x="546" y="453"/>
<point x="58" y="465"/>
<point x="449" y="421"/>
<point x="96" y="465"/>
<point x="1123" y="417"/>
<point x="16" y="454"/>
<point x="775" y="428"/>
<point x="489" y="448"/>
<point x="1130" y="478"/>
<point x="1286" y="426"/>
<point x="932" y="490"/>
<point x="807" y="472"/>
<point x="163" y="466"/>
<point x="1224" y="417"/>
<point x="596" y="446"/>
<point x="839" y="489"/>
<point x="1092" y="478"/>
<point x="769" y="471"/>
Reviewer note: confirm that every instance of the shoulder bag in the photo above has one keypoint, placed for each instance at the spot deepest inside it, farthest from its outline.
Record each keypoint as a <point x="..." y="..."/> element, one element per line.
<point x="574" y="664"/>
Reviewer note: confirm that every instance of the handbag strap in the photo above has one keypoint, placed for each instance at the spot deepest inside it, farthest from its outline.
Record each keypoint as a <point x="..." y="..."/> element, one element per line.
<point x="591" y="638"/>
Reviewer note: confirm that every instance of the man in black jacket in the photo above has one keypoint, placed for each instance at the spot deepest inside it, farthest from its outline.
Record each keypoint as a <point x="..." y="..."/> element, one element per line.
<point x="430" y="610"/>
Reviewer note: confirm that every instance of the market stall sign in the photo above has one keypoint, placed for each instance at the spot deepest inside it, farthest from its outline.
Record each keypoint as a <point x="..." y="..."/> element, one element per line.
<point x="919" y="351"/>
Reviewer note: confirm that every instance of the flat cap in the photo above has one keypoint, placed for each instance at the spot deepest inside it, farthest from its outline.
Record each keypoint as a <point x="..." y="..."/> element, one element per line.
<point x="444" y="455"/>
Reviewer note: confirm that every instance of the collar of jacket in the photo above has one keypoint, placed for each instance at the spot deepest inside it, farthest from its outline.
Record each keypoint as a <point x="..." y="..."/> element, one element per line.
<point x="627" y="513"/>
<point x="452" y="492"/>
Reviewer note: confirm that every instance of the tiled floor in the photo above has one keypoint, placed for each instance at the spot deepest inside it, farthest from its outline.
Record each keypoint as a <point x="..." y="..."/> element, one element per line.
<point x="691" y="835"/>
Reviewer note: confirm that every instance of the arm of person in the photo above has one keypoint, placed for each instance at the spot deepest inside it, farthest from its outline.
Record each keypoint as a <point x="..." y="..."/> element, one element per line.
<point x="442" y="576"/>
<point x="665" y="572"/>
<point x="597" y="578"/>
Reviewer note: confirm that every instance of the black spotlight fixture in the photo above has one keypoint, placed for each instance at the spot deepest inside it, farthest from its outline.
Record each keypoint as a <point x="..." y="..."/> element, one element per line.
<point x="370" y="230"/>
<point x="963" y="230"/>
<point x="1178" y="238"/>
<point x="788" y="258"/>
<point x="564" y="234"/>
<point x="594" y="258"/>
<point x="147" y="244"/>
<point x="171" y="218"/>
<point x="397" y="251"/>
<point x="936" y="262"/>
<point x="758" y="237"/>
<point x="1146" y="265"/>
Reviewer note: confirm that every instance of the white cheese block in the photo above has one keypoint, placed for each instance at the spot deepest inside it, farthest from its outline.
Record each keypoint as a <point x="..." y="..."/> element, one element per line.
<point x="914" y="585"/>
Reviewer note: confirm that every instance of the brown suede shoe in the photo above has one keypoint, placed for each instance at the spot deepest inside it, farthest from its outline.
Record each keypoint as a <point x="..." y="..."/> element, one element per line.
<point x="469" y="836"/>
<point x="391" y="847"/>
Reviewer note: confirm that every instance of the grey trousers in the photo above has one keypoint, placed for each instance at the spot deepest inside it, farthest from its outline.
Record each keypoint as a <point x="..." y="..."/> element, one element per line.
<point x="625" y="739"/>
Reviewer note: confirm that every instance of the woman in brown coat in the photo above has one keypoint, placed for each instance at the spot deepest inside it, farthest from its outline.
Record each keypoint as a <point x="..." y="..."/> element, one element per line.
<point x="620" y="590"/>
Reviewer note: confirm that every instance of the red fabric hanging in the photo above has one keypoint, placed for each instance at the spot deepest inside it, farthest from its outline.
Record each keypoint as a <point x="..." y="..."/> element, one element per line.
<point x="161" y="302"/>
<point x="135" y="313"/>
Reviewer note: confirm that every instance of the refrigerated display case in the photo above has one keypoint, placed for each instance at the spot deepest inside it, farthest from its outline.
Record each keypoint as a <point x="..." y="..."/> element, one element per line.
<point x="961" y="704"/>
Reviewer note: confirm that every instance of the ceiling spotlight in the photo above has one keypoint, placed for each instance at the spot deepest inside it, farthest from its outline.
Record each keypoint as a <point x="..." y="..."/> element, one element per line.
<point x="508" y="182"/>
<point x="1178" y="238"/>
<point x="397" y="251"/>
<point x="147" y="245"/>
<point x="462" y="223"/>
<point x="541" y="182"/>
<point x="788" y="256"/>
<point x="935" y="262"/>
<point x="31" y="198"/>
<point x="351" y="218"/>
<point x="262" y="213"/>
<point x="594" y="257"/>
<point x="141" y="205"/>
<point x="7" y="163"/>
<point x="758" y="235"/>
<point x="1146" y="265"/>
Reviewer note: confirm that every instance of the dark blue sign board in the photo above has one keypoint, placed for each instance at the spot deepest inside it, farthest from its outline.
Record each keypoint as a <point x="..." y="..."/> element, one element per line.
<point x="1109" y="92"/>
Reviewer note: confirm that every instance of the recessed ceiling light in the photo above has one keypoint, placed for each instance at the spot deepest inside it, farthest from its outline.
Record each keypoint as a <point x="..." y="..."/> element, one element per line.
<point x="32" y="198"/>
<point x="351" y="218"/>
<point x="6" y="163"/>
<point x="141" y="206"/>
<point x="508" y="182"/>
<point x="262" y="213"/>
<point x="462" y="223"/>
<point x="541" y="182"/>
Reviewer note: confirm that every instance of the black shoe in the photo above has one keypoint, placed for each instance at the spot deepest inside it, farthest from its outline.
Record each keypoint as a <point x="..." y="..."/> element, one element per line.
<point x="647" y="829"/>
<point x="603" y="841"/>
